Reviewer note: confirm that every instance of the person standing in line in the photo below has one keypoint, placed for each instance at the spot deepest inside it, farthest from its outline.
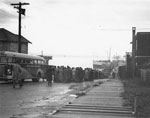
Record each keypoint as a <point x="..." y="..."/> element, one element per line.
<point x="86" y="75"/>
<point x="49" y="75"/>
<point x="17" y="76"/>
<point x="73" y="74"/>
<point x="113" y="75"/>
<point x="56" y="74"/>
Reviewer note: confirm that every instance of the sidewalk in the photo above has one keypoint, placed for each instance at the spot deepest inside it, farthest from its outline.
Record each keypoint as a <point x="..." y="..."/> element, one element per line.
<point x="103" y="101"/>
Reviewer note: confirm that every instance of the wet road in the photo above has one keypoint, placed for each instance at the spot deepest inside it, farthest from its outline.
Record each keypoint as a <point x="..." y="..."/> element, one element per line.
<point x="32" y="100"/>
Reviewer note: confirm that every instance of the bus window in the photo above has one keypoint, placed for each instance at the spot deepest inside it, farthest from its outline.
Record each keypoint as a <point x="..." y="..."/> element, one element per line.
<point x="35" y="62"/>
<point x="43" y="62"/>
<point x="27" y="61"/>
<point x="10" y="60"/>
<point x="13" y="60"/>
<point x="18" y="60"/>
<point x="39" y="62"/>
<point x="3" y="60"/>
<point x="31" y="61"/>
<point x="22" y="61"/>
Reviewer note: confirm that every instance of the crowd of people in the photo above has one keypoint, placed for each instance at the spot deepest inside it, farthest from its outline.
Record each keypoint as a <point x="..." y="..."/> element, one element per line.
<point x="78" y="74"/>
<point x="60" y="74"/>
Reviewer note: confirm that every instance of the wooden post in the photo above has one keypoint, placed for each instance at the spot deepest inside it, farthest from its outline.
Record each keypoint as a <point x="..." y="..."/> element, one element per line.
<point x="21" y="11"/>
<point x="19" y="29"/>
<point x="133" y="51"/>
<point x="135" y="105"/>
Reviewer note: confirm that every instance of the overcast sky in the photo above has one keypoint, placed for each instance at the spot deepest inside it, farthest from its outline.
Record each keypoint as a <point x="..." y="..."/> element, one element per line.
<point x="78" y="27"/>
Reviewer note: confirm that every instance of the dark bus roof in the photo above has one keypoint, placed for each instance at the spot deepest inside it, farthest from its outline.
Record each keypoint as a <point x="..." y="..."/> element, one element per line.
<point x="20" y="55"/>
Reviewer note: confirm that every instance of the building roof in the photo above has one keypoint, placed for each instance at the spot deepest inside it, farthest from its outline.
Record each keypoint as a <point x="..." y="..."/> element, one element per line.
<point x="21" y="55"/>
<point x="143" y="33"/>
<point x="6" y="35"/>
<point x="46" y="57"/>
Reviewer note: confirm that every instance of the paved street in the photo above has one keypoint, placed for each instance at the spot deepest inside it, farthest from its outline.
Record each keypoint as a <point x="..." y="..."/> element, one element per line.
<point x="104" y="101"/>
<point x="37" y="100"/>
<point x="33" y="99"/>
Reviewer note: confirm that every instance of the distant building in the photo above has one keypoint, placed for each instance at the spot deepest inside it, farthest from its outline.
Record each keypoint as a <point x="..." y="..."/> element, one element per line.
<point x="128" y="61"/>
<point x="47" y="58"/>
<point x="9" y="42"/>
<point x="101" y="64"/>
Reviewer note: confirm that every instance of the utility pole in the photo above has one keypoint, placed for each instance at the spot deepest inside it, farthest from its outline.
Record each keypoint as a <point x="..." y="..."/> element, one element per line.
<point x="133" y="51"/>
<point x="21" y="11"/>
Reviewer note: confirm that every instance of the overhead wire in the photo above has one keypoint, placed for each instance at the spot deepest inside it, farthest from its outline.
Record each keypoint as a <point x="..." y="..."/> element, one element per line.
<point x="122" y="29"/>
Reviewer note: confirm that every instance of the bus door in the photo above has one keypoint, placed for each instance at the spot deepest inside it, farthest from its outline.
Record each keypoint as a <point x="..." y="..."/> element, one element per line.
<point x="5" y="69"/>
<point x="2" y="71"/>
<point x="8" y="70"/>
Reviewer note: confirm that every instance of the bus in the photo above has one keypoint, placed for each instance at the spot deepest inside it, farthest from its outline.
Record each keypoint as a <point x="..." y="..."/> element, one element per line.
<point x="33" y="65"/>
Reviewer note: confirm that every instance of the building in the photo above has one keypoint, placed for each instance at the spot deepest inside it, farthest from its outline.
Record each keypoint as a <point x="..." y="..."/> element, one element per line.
<point x="9" y="42"/>
<point x="140" y="50"/>
<point x="142" y="53"/>
<point x="101" y="64"/>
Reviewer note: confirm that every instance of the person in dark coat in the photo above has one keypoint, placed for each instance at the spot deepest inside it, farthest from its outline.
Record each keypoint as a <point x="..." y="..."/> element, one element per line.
<point x="17" y="79"/>
<point x="113" y="74"/>
<point x="49" y="73"/>
<point x="56" y="73"/>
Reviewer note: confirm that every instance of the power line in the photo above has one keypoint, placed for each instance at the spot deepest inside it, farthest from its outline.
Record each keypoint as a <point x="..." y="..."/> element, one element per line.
<point x="121" y="29"/>
<point x="111" y="29"/>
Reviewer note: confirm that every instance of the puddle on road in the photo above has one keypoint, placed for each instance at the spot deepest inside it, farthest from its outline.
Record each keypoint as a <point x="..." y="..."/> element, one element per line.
<point x="25" y="116"/>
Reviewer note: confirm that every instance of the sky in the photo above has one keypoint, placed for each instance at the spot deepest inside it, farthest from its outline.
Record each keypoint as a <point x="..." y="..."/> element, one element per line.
<point x="96" y="29"/>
